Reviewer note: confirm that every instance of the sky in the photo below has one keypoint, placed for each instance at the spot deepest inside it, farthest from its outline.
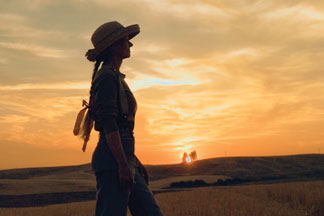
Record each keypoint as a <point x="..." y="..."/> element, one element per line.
<point x="222" y="77"/>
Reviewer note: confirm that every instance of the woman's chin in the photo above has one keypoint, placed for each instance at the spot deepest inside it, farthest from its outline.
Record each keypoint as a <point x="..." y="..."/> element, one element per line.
<point x="127" y="55"/>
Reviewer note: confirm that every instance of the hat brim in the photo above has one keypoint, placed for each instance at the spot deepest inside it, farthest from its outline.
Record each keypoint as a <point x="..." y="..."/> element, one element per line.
<point x="130" y="31"/>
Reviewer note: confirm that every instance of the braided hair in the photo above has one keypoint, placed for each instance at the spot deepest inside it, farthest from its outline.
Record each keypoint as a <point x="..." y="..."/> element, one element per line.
<point x="87" y="123"/>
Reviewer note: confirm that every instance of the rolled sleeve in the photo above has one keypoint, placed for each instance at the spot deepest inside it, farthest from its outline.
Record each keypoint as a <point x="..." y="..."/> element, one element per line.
<point x="106" y="103"/>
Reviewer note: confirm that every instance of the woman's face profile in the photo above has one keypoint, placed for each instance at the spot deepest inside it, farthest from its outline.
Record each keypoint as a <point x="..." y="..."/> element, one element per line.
<point x="123" y="48"/>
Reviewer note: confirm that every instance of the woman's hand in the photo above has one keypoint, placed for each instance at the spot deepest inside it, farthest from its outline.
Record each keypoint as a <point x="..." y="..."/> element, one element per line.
<point x="143" y="172"/>
<point x="126" y="178"/>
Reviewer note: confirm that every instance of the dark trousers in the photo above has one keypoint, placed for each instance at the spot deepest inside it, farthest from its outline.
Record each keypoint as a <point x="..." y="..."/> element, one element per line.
<point x="112" y="201"/>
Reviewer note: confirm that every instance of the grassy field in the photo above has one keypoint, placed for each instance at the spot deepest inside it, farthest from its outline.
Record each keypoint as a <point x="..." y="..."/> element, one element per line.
<point x="281" y="199"/>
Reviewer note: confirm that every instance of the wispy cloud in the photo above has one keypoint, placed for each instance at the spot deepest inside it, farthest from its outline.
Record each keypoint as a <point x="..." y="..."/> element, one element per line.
<point x="187" y="11"/>
<point x="15" y="26"/>
<point x="3" y="60"/>
<point x="44" y="86"/>
<point x="27" y="4"/>
<point x="38" y="116"/>
<point x="300" y="13"/>
<point x="143" y="81"/>
<point x="37" y="50"/>
<point x="243" y="52"/>
<point x="14" y="119"/>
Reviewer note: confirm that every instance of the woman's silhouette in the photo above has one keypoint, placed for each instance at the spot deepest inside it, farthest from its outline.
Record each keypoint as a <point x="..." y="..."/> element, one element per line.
<point x="121" y="178"/>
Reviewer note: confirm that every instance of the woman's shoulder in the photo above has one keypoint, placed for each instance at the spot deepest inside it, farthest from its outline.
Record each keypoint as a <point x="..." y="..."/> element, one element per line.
<point x="105" y="74"/>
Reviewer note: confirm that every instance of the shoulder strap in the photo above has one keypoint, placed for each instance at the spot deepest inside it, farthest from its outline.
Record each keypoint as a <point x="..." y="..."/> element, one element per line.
<point x="123" y="98"/>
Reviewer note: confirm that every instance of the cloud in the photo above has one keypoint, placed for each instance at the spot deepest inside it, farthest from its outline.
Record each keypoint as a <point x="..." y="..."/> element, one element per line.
<point x="187" y="11"/>
<point x="41" y="116"/>
<point x="3" y="60"/>
<point x="14" y="119"/>
<point x="11" y="17"/>
<point x="143" y="81"/>
<point x="149" y="48"/>
<point x="304" y="19"/>
<point x="242" y="52"/>
<point x="17" y="26"/>
<point x="299" y="13"/>
<point x="177" y="9"/>
<point x="27" y="4"/>
<point x="37" y="50"/>
<point x="38" y="102"/>
<point x="47" y="86"/>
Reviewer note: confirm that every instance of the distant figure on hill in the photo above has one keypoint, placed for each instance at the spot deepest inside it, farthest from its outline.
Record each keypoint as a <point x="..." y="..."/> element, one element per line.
<point x="121" y="178"/>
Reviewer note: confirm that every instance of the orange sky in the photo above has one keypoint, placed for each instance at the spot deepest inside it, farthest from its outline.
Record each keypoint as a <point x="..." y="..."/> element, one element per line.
<point x="224" y="78"/>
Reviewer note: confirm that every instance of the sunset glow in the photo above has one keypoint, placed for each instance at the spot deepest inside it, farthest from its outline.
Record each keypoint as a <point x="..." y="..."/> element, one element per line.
<point x="188" y="159"/>
<point x="225" y="78"/>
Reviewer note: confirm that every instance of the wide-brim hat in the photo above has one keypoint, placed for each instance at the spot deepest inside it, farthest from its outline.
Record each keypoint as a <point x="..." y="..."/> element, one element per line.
<point x="107" y="34"/>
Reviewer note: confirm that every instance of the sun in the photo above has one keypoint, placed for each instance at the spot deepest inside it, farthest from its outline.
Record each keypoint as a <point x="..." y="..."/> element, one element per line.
<point x="188" y="159"/>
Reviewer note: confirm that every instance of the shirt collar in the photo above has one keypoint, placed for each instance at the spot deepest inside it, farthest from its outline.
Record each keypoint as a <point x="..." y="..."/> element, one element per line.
<point x="121" y="75"/>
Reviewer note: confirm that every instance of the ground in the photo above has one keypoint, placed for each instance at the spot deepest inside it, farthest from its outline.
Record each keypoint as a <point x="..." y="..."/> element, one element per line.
<point x="280" y="199"/>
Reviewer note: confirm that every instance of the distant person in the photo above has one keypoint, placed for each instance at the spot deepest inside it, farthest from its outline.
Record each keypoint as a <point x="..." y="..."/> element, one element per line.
<point x="121" y="178"/>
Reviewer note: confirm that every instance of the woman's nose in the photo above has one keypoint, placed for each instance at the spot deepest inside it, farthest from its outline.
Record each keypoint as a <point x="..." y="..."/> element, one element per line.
<point x="130" y="44"/>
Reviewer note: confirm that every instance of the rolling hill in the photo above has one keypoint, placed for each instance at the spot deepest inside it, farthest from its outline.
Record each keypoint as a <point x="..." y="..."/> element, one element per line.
<point x="69" y="181"/>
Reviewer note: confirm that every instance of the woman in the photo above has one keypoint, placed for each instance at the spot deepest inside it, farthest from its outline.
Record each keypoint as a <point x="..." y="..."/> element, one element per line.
<point x="121" y="178"/>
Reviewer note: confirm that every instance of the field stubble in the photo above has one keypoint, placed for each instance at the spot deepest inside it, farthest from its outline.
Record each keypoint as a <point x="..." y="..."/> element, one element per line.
<point x="280" y="199"/>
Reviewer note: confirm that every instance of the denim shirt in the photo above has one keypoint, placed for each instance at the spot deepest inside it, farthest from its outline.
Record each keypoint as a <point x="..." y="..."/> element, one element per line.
<point x="108" y="114"/>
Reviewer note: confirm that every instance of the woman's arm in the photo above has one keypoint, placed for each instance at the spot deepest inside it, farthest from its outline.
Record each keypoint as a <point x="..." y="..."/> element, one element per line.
<point x="126" y="177"/>
<point x="115" y="145"/>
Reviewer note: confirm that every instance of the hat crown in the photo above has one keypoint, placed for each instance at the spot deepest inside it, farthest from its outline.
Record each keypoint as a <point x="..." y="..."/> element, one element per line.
<point x="107" y="34"/>
<point x="104" y="30"/>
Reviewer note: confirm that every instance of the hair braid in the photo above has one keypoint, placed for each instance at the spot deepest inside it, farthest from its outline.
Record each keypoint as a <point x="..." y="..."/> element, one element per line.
<point x="95" y="70"/>
<point x="87" y="124"/>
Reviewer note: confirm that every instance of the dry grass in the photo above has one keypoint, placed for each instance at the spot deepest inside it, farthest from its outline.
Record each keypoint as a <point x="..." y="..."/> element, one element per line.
<point x="71" y="209"/>
<point x="45" y="185"/>
<point x="282" y="199"/>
